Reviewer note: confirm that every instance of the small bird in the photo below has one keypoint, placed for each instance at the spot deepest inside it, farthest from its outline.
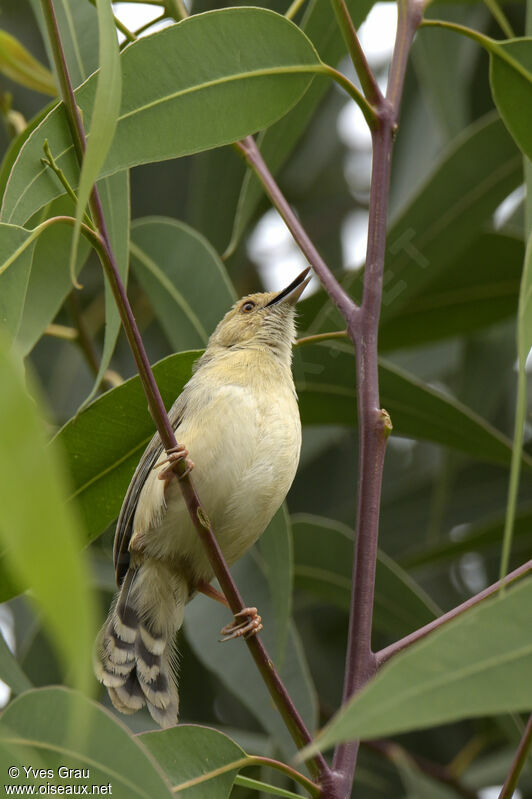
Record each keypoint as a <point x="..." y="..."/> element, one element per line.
<point x="238" y="420"/>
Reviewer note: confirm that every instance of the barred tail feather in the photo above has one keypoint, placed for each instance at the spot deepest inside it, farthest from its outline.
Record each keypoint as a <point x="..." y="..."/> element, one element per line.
<point x="135" y="655"/>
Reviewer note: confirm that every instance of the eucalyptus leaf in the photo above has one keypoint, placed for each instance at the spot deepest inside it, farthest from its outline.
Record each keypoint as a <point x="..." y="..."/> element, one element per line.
<point x="511" y="85"/>
<point x="54" y="727"/>
<point x="475" y="665"/>
<point x="255" y="65"/>
<point x="184" y="278"/>
<point x="191" y="752"/>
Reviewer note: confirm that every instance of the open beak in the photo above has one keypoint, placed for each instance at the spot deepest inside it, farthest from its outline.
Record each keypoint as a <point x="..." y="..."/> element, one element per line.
<point x="293" y="292"/>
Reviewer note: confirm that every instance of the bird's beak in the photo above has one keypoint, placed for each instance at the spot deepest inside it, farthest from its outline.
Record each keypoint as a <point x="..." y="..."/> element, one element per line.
<point x="293" y="292"/>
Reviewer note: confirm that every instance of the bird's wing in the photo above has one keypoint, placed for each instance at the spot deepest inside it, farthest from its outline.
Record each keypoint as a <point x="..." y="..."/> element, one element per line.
<point x="124" y="525"/>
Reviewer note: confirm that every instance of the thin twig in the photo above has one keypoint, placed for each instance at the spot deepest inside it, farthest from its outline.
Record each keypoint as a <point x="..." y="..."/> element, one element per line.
<point x="249" y="150"/>
<point x="516" y="768"/>
<point x="316" y="337"/>
<point x="279" y="694"/>
<point x="385" y="654"/>
<point x="358" y="57"/>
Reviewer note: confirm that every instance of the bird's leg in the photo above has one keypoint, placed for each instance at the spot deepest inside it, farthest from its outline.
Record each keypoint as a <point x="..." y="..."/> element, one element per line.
<point x="206" y="588"/>
<point x="174" y="454"/>
<point x="246" y="622"/>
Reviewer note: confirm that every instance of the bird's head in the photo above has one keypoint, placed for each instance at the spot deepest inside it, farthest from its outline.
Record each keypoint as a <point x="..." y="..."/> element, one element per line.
<point x="264" y="320"/>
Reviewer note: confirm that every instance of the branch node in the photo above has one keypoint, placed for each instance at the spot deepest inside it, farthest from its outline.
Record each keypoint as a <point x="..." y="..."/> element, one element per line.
<point x="203" y="518"/>
<point x="385" y="422"/>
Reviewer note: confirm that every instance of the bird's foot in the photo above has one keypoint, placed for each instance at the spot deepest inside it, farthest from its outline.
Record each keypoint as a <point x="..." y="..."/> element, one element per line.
<point x="246" y="622"/>
<point x="175" y="454"/>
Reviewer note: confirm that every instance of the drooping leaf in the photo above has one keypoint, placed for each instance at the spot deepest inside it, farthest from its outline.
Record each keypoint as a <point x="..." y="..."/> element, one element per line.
<point x="19" y="65"/>
<point x="53" y="727"/>
<point x="16" y="254"/>
<point x="524" y="345"/>
<point x="511" y="85"/>
<point x="476" y="665"/>
<point x="49" y="280"/>
<point x="255" y="65"/>
<point x="189" y="752"/>
<point x="41" y="536"/>
<point x="184" y="278"/>
<point x="104" y="114"/>
<point x="323" y="556"/>
<point x="114" y="194"/>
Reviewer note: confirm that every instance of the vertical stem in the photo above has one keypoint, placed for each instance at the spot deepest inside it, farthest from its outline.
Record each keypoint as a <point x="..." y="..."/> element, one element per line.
<point x="373" y="423"/>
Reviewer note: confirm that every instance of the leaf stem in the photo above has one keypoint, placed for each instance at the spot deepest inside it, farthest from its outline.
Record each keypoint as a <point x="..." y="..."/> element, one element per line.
<point x="294" y="8"/>
<point x="366" y="77"/>
<point x="279" y="694"/>
<point x="385" y="654"/>
<point x="374" y="425"/>
<point x="518" y="762"/>
<point x="368" y="110"/>
<point x="253" y="760"/>
<point x="321" y="337"/>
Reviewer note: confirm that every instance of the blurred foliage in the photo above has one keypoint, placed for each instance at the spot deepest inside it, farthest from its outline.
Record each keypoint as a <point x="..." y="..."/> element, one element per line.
<point x="448" y="377"/>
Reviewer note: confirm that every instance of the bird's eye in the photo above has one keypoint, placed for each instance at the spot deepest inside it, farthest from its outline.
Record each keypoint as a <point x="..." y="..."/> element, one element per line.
<point x="248" y="306"/>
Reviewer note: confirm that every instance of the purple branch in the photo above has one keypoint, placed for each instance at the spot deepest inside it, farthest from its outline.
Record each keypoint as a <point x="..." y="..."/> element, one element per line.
<point x="398" y="646"/>
<point x="251" y="153"/>
<point x="374" y="424"/>
<point x="279" y="694"/>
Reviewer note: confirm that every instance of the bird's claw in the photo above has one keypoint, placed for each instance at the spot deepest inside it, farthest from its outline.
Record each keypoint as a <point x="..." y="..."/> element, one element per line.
<point x="250" y="625"/>
<point x="175" y="454"/>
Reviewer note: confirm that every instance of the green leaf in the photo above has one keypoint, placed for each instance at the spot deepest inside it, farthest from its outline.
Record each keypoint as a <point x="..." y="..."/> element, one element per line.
<point x="10" y="671"/>
<point x="477" y="289"/>
<point x="54" y="727"/>
<point x="255" y="65"/>
<point x="323" y="555"/>
<point x="325" y="383"/>
<point x="511" y="85"/>
<point x="203" y="621"/>
<point x="264" y="787"/>
<point x="190" y="752"/>
<point x="417" y="784"/>
<point x="104" y="117"/>
<point x="524" y="344"/>
<point x="183" y="277"/>
<point x="49" y="281"/>
<point x="444" y="216"/>
<point x="16" y="254"/>
<point x="42" y="537"/>
<point x="19" y="65"/>
<point x="114" y="194"/>
<point x="277" y="551"/>
<point x="278" y="141"/>
<point x="479" y="664"/>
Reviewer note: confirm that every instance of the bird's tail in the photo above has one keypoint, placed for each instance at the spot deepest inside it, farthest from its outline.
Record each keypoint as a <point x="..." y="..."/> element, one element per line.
<point x="135" y="655"/>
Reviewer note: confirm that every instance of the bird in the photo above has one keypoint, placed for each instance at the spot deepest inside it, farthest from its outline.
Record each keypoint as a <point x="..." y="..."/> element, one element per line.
<point x="238" y="427"/>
